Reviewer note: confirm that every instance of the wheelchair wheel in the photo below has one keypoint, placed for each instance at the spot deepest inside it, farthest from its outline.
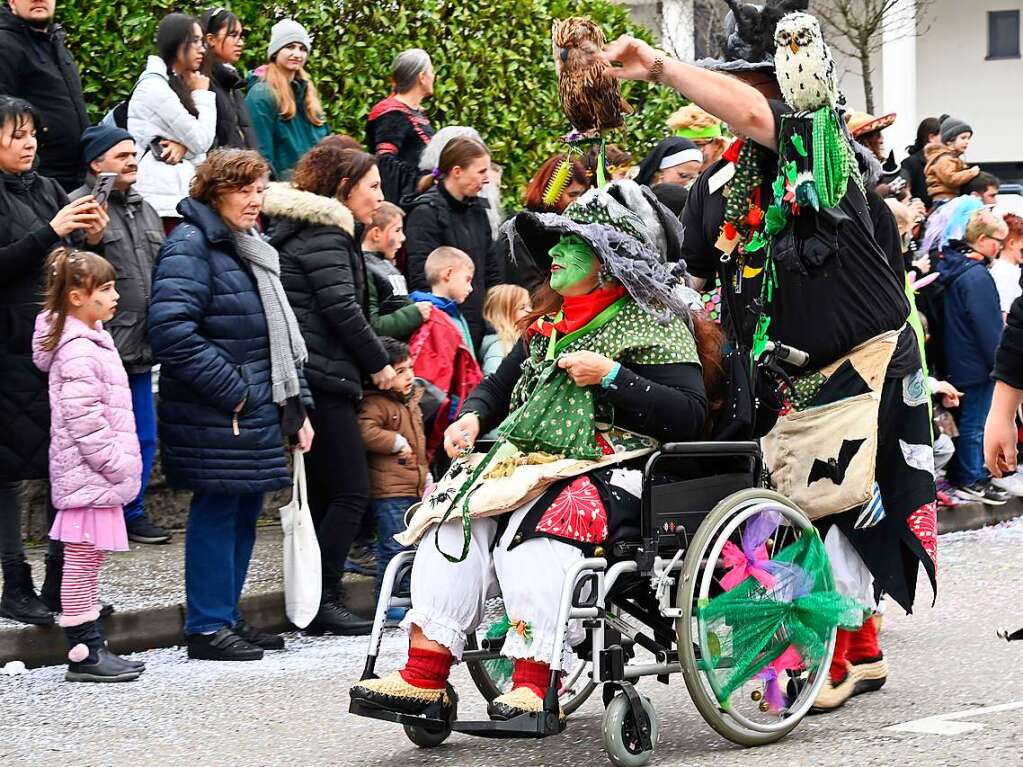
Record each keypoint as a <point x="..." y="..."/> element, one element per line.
<point x="492" y="680"/>
<point x="747" y="708"/>
<point x="619" y="733"/>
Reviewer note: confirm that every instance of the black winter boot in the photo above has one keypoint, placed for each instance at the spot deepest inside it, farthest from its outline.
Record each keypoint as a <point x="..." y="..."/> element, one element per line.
<point x="335" y="618"/>
<point x="50" y="591"/>
<point x="136" y="665"/>
<point x="19" y="601"/>
<point x="91" y="661"/>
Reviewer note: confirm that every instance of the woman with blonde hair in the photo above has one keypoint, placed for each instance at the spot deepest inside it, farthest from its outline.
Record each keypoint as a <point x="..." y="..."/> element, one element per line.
<point x="286" y="111"/>
<point x="504" y="310"/>
<point x="703" y="129"/>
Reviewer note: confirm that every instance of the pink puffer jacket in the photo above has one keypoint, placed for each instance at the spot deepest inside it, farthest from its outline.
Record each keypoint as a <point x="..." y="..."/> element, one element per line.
<point x="94" y="450"/>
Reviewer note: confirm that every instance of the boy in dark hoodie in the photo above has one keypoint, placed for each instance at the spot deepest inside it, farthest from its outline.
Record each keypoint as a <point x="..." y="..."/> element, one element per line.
<point x="391" y="311"/>
<point x="973" y="328"/>
<point x="392" y="430"/>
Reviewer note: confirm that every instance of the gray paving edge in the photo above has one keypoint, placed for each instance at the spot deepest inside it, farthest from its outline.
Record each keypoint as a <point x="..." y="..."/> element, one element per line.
<point x="154" y="627"/>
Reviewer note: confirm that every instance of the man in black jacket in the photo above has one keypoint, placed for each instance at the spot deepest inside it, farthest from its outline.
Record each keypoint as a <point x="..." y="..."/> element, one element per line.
<point x="131" y="242"/>
<point x="35" y="66"/>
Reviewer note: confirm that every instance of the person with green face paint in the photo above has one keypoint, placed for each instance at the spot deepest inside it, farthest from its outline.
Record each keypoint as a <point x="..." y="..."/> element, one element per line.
<point x="608" y="369"/>
<point x="573" y="265"/>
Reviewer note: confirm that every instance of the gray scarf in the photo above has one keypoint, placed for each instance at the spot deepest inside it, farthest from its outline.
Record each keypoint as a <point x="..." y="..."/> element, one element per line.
<point x="287" y="347"/>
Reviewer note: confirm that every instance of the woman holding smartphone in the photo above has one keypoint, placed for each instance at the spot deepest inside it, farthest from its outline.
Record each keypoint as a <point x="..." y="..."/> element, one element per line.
<point x="35" y="217"/>
<point x="172" y="115"/>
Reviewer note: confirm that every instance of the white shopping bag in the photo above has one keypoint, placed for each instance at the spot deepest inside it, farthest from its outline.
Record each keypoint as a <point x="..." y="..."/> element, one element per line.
<point x="302" y="581"/>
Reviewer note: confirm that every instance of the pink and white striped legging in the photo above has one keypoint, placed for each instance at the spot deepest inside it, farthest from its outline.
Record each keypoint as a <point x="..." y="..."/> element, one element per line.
<point x="79" y="591"/>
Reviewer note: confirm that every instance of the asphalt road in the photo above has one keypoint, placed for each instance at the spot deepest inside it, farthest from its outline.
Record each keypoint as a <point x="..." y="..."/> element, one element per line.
<point x="948" y="668"/>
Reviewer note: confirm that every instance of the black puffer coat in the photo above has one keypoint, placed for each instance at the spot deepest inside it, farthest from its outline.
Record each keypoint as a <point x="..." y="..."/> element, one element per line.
<point x="27" y="204"/>
<point x="35" y="65"/>
<point x="208" y="332"/>
<point x="324" y="275"/>
<point x="436" y="218"/>
<point x="234" y="124"/>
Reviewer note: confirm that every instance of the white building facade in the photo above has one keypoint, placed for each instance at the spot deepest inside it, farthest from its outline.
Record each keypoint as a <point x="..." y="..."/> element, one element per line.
<point x="957" y="57"/>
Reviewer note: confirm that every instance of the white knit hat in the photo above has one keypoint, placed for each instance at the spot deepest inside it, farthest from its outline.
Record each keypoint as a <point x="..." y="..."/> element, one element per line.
<point x="285" y="32"/>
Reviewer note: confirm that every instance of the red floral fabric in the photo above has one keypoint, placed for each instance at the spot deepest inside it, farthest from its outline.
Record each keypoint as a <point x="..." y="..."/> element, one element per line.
<point x="577" y="514"/>
<point x="924" y="524"/>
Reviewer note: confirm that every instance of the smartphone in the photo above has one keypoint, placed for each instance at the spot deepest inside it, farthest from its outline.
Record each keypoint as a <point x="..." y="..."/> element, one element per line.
<point x="104" y="186"/>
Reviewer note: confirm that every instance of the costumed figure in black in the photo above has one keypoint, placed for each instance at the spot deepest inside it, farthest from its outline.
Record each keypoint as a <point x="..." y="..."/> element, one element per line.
<point x="609" y="367"/>
<point x="397" y="130"/>
<point x="801" y="266"/>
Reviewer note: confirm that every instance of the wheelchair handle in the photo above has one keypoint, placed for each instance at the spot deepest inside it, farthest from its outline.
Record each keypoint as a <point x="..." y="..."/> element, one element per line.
<point x="795" y="357"/>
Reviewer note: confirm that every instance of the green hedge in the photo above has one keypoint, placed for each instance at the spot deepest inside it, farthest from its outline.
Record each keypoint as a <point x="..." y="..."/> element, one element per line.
<point x="493" y="62"/>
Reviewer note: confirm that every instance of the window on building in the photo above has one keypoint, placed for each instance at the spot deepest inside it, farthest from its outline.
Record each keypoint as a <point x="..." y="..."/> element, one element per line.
<point x="1003" y="35"/>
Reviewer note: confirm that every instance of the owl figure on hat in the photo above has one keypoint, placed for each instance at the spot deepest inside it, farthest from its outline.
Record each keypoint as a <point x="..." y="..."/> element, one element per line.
<point x="803" y="64"/>
<point x="816" y="157"/>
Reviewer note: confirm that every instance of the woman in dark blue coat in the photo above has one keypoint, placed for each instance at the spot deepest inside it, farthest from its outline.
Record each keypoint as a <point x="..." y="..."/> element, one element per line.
<point x="230" y="357"/>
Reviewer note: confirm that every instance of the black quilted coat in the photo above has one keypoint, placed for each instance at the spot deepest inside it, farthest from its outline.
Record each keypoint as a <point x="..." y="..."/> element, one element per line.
<point x="325" y="278"/>
<point x="27" y="203"/>
<point x="208" y="332"/>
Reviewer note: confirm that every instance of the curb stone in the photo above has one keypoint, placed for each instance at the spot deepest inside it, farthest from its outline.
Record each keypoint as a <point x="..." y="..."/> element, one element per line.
<point x="151" y="628"/>
<point x="156" y="627"/>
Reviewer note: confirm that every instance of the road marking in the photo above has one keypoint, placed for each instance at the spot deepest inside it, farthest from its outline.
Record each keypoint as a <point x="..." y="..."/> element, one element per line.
<point x="948" y="724"/>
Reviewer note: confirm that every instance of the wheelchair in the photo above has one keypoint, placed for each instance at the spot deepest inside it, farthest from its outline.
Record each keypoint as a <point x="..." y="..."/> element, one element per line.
<point x="642" y="600"/>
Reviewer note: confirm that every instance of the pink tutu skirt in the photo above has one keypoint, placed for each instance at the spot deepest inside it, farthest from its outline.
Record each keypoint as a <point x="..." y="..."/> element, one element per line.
<point x="103" y="527"/>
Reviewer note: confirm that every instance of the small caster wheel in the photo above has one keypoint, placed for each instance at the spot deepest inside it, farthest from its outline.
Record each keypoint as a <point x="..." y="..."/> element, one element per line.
<point x="621" y="736"/>
<point x="426" y="738"/>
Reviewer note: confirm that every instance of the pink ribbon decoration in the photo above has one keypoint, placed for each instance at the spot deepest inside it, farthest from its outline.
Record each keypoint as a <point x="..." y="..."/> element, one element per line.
<point x="790" y="659"/>
<point x="751" y="561"/>
<point x="742" y="566"/>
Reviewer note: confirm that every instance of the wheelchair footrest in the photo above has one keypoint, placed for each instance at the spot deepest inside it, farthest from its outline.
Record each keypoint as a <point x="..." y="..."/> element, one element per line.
<point x="430" y="723"/>
<point x="530" y="725"/>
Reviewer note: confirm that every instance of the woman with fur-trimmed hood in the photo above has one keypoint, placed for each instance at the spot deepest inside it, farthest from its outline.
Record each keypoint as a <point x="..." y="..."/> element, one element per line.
<point x="312" y="226"/>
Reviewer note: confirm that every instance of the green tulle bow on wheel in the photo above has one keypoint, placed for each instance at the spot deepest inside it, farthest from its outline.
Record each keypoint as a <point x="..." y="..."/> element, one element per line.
<point x="750" y="626"/>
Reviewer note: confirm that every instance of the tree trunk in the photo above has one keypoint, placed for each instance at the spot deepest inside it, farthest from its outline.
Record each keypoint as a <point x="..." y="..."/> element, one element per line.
<point x="868" y="84"/>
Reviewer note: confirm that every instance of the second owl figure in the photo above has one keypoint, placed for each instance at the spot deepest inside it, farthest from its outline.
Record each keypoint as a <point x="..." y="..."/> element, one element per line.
<point x="590" y="96"/>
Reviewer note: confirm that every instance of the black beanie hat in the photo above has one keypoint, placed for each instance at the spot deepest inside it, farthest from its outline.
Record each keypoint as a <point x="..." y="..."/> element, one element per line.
<point x="99" y="138"/>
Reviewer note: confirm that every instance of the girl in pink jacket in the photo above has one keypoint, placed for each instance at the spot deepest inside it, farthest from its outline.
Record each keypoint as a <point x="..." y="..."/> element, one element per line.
<point x="95" y="463"/>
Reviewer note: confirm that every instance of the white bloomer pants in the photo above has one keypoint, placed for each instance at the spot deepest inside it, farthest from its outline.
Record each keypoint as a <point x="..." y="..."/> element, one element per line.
<point x="448" y="597"/>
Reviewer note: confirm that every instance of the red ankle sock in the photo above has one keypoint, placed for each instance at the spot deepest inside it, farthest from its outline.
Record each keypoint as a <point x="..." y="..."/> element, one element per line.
<point x="863" y="644"/>
<point x="531" y="674"/>
<point x="838" y="660"/>
<point x="427" y="669"/>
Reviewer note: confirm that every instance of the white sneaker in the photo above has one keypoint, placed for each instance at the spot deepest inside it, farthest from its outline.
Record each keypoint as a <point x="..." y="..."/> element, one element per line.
<point x="1011" y="483"/>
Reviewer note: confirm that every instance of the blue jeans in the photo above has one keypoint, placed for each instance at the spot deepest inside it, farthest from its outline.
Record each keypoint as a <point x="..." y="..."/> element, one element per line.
<point x="389" y="514"/>
<point x="145" y="424"/>
<point x="973" y="409"/>
<point x="219" y="538"/>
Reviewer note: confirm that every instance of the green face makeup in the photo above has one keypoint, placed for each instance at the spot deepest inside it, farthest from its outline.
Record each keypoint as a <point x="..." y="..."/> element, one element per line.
<point x="572" y="260"/>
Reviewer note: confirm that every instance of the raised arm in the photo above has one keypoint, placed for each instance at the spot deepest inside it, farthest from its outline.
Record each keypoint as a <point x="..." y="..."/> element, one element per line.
<point x="740" y="105"/>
